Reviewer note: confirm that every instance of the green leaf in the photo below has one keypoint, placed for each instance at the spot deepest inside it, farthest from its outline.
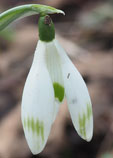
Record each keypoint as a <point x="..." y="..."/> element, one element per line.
<point x="23" y="11"/>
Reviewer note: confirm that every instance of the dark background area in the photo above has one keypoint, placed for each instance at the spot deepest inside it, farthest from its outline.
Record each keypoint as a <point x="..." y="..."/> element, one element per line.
<point x="86" y="33"/>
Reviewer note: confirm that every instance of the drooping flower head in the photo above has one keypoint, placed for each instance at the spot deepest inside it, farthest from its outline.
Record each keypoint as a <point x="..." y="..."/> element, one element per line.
<point x="51" y="79"/>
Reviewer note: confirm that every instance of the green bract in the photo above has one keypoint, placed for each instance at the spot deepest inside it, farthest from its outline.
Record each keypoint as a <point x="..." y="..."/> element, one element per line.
<point x="23" y="11"/>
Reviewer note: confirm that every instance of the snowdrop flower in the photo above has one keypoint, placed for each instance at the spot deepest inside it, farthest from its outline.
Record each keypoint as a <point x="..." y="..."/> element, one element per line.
<point x="51" y="79"/>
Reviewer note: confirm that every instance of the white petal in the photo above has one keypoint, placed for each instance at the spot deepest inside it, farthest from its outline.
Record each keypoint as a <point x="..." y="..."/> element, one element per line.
<point x="56" y="109"/>
<point x="78" y="98"/>
<point x="38" y="102"/>
<point x="54" y="67"/>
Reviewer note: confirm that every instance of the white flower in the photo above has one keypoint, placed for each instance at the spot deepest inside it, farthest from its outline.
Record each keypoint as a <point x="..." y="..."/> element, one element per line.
<point x="52" y="78"/>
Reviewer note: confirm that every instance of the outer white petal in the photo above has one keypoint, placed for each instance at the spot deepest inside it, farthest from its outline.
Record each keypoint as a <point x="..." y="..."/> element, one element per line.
<point x="37" y="102"/>
<point x="78" y="99"/>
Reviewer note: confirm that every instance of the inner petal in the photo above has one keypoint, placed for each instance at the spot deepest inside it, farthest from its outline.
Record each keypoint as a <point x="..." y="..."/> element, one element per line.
<point x="54" y="67"/>
<point x="55" y="71"/>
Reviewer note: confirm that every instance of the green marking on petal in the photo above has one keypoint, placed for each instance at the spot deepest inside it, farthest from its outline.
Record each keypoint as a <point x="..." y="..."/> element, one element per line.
<point x="83" y="118"/>
<point x="35" y="126"/>
<point x="28" y="123"/>
<point x="89" y="111"/>
<point x="32" y="125"/>
<point x="58" y="91"/>
<point x="82" y="123"/>
<point x="42" y="130"/>
<point x="38" y="127"/>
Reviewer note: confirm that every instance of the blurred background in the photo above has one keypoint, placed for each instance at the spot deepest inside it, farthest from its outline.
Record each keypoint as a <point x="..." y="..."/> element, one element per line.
<point x="86" y="33"/>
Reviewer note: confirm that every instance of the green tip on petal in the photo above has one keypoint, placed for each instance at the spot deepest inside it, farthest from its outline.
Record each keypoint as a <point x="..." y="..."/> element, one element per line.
<point x="18" y="12"/>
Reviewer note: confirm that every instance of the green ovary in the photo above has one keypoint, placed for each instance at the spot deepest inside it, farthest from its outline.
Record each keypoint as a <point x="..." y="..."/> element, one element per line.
<point x="46" y="30"/>
<point x="36" y="127"/>
<point x="58" y="91"/>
